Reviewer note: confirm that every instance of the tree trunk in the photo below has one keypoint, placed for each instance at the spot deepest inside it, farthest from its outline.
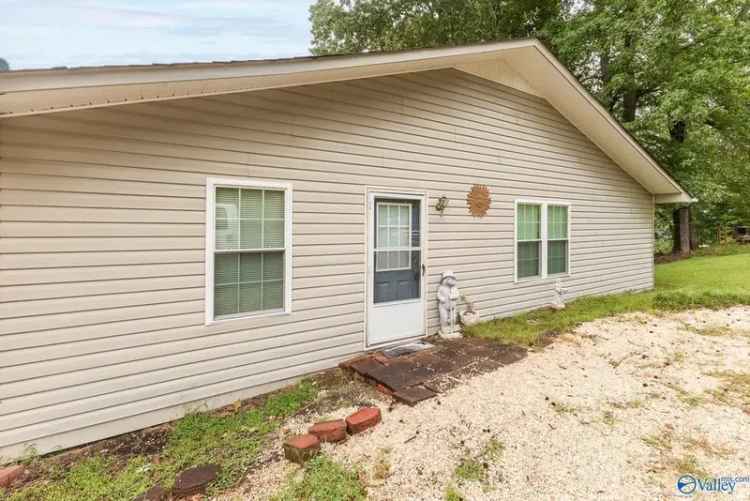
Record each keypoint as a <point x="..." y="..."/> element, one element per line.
<point x="693" y="231"/>
<point x="629" y="105"/>
<point x="684" y="231"/>
<point x="676" y="231"/>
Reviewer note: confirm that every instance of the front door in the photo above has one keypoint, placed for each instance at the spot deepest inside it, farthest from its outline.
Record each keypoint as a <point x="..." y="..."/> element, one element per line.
<point x="395" y="268"/>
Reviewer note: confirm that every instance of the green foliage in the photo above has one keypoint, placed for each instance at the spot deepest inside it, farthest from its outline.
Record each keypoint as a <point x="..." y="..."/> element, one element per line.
<point x="723" y="250"/>
<point x="323" y="480"/>
<point x="358" y="25"/>
<point x="471" y="470"/>
<point x="675" y="72"/>
<point x="710" y="282"/>
<point x="529" y="328"/>
<point x="722" y="274"/>
<point x="452" y="494"/>
<point x="231" y="441"/>
<point x="93" y="479"/>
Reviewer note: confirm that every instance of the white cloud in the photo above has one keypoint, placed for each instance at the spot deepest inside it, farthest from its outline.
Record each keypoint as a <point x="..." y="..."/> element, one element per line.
<point x="39" y="34"/>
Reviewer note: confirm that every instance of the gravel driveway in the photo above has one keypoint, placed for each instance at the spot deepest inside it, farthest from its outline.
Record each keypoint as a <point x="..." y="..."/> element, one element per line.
<point x="617" y="409"/>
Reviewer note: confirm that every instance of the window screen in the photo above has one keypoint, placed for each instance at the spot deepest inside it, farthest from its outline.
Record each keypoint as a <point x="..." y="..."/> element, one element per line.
<point x="249" y="254"/>
<point x="529" y="239"/>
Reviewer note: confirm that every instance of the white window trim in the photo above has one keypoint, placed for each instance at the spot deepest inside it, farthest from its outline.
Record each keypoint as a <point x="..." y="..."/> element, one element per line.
<point x="211" y="185"/>
<point x="543" y="265"/>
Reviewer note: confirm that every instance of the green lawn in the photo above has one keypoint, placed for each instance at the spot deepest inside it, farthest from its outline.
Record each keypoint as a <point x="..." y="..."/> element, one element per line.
<point x="714" y="281"/>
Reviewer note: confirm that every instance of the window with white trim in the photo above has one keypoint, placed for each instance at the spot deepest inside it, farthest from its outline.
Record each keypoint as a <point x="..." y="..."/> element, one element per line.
<point x="249" y="249"/>
<point x="542" y="239"/>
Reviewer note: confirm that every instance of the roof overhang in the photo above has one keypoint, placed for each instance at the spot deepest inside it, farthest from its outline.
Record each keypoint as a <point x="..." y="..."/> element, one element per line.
<point x="526" y="65"/>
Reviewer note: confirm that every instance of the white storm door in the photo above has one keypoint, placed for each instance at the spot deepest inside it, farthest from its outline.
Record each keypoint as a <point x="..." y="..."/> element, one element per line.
<point x="395" y="268"/>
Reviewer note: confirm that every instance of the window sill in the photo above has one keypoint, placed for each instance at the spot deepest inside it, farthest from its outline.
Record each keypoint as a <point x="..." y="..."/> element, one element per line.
<point x="541" y="279"/>
<point x="262" y="314"/>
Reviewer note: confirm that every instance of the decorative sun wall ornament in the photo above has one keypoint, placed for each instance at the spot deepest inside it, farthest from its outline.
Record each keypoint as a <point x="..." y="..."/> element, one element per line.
<point x="479" y="200"/>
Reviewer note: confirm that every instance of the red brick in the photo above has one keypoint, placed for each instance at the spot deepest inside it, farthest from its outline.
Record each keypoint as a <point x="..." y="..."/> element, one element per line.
<point x="365" y="418"/>
<point x="156" y="493"/>
<point x="384" y="390"/>
<point x="300" y="448"/>
<point x="347" y="364"/>
<point x="9" y="474"/>
<point x="379" y="357"/>
<point x="329" y="431"/>
<point x="194" y="480"/>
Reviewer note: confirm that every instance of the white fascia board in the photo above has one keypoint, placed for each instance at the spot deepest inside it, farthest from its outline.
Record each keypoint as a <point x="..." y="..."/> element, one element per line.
<point x="46" y="91"/>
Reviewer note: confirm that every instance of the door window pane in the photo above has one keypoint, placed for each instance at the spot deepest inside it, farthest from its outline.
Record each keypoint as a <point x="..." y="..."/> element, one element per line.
<point x="397" y="256"/>
<point x="393" y="231"/>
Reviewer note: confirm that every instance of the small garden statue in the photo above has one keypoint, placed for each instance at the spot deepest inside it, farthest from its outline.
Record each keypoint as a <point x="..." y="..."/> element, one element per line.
<point x="469" y="316"/>
<point x="448" y="295"/>
<point x="558" y="302"/>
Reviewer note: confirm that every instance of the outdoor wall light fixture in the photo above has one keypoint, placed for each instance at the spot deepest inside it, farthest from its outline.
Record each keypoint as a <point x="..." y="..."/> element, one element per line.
<point x="441" y="204"/>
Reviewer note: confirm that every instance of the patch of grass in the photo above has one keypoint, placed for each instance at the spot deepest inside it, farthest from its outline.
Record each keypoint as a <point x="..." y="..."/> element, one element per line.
<point x="692" y="399"/>
<point x="382" y="467"/>
<point x="476" y="468"/>
<point x="493" y="450"/>
<point x="231" y="441"/>
<point x="728" y="249"/>
<point x="687" y="464"/>
<point x="609" y="418"/>
<point x="324" y="479"/>
<point x="471" y="469"/>
<point x="635" y="403"/>
<point x="690" y="299"/>
<point x="735" y="388"/>
<point x="709" y="448"/>
<point x="529" y="328"/>
<point x="93" y="479"/>
<point x="713" y="331"/>
<point x="660" y="441"/>
<point x="684" y="396"/>
<point x="451" y="494"/>
<point x="678" y="357"/>
<point x="707" y="282"/>
<point x="562" y="408"/>
<point x="719" y="331"/>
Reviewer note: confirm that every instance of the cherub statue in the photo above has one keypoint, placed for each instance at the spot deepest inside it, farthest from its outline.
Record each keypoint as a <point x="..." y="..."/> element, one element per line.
<point x="447" y="295"/>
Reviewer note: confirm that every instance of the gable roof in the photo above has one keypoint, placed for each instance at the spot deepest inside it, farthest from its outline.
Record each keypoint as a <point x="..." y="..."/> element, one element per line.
<point x="526" y="65"/>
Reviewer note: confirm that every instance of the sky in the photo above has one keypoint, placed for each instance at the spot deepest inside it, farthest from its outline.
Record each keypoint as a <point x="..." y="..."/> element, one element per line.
<point x="45" y="34"/>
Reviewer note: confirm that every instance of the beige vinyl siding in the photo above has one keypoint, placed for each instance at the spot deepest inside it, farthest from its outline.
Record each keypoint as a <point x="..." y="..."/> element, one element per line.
<point x="102" y="236"/>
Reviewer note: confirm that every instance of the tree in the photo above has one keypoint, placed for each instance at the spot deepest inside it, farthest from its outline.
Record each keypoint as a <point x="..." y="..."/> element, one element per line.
<point x="4" y="66"/>
<point x="676" y="73"/>
<point x="359" y="25"/>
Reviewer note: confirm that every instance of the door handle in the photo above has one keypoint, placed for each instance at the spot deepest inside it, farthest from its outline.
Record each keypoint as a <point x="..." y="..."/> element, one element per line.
<point x="424" y="270"/>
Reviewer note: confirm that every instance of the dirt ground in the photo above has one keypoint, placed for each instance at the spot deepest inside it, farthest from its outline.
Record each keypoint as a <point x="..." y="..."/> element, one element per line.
<point x="618" y="409"/>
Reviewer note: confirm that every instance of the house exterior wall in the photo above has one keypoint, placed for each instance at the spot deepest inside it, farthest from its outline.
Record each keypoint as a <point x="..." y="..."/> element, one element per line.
<point x="103" y="224"/>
